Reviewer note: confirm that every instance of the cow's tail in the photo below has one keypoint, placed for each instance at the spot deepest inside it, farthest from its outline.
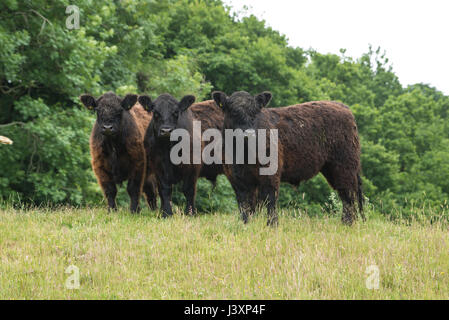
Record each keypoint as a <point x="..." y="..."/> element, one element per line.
<point x="360" y="197"/>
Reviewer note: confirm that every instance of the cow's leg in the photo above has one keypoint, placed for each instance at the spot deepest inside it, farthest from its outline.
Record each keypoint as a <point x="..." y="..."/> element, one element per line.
<point x="253" y="201"/>
<point x="137" y="174"/>
<point x="268" y="194"/>
<point x="135" y="184"/>
<point x="344" y="181"/>
<point x="134" y="190"/>
<point x="348" y="200"/>
<point x="149" y="188"/>
<point x="246" y="200"/>
<point x="107" y="184"/>
<point x="189" y="190"/>
<point x="165" y="192"/>
<point x="110" y="192"/>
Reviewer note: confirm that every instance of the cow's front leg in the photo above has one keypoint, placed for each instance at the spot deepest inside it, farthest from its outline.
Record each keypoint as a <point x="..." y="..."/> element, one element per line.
<point x="108" y="186"/>
<point x="165" y="192"/>
<point x="189" y="190"/>
<point x="246" y="198"/>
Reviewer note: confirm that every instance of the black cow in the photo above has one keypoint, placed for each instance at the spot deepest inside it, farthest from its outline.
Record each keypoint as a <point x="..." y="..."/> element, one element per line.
<point x="168" y="115"/>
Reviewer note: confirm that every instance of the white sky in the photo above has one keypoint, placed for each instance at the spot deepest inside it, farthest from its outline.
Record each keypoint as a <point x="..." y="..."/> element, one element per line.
<point x="414" y="34"/>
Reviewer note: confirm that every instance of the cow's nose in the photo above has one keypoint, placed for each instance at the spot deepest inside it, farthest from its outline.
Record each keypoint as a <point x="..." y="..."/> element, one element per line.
<point x="166" y="131"/>
<point x="107" y="127"/>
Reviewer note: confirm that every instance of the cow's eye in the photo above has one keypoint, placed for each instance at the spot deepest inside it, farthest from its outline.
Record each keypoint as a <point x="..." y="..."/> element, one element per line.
<point x="175" y="114"/>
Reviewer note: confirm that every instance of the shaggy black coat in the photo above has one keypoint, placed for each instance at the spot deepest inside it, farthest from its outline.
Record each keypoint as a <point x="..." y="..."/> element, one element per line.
<point x="170" y="114"/>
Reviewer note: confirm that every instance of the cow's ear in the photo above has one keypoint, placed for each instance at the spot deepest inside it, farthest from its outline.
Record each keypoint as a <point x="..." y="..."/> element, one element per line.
<point x="129" y="101"/>
<point x="219" y="98"/>
<point x="262" y="99"/>
<point x="186" y="102"/>
<point x="88" y="101"/>
<point x="146" y="102"/>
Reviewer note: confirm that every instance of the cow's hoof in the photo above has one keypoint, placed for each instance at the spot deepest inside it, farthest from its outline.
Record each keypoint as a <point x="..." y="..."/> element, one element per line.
<point x="166" y="215"/>
<point x="273" y="222"/>
<point x="347" y="221"/>
<point x="152" y="206"/>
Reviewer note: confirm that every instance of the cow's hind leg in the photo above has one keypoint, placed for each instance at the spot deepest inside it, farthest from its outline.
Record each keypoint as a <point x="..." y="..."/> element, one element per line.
<point x="345" y="182"/>
<point x="349" y="212"/>
<point x="268" y="194"/>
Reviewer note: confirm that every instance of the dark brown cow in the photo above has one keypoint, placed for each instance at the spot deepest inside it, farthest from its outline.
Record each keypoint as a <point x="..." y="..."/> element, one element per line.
<point x="313" y="137"/>
<point x="117" y="149"/>
<point x="168" y="115"/>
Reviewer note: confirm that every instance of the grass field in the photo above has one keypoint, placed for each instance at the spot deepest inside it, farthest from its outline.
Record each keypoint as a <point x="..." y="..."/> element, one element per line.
<point x="124" y="256"/>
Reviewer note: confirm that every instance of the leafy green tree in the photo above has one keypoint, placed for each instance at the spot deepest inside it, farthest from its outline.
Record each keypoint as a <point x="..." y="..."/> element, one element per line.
<point x="44" y="67"/>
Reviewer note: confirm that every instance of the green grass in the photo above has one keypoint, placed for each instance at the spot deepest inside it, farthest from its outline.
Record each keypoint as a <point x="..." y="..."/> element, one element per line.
<point x="124" y="256"/>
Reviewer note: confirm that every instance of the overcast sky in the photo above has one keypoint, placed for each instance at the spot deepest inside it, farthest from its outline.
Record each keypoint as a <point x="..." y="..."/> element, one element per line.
<point x="414" y="34"/>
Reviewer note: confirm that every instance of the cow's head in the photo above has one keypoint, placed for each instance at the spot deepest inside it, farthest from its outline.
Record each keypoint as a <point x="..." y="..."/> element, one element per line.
<point x="241" y="108"/>
<point x="166" y="111"/>
<point x="109" y="109"/>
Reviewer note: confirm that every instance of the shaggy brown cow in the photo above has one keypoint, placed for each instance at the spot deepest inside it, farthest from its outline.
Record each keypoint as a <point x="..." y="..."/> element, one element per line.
<point x="313" y="137"/>
<point x="168" y="115"/>
<point x="117" y="149"/>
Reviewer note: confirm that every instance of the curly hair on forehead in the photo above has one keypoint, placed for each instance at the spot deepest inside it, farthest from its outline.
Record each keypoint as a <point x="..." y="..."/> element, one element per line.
<point x="165" y="102"/>
<point x="242" y="106"/>
<point x="241" y="98"/>
<point x="109" y="99"/>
